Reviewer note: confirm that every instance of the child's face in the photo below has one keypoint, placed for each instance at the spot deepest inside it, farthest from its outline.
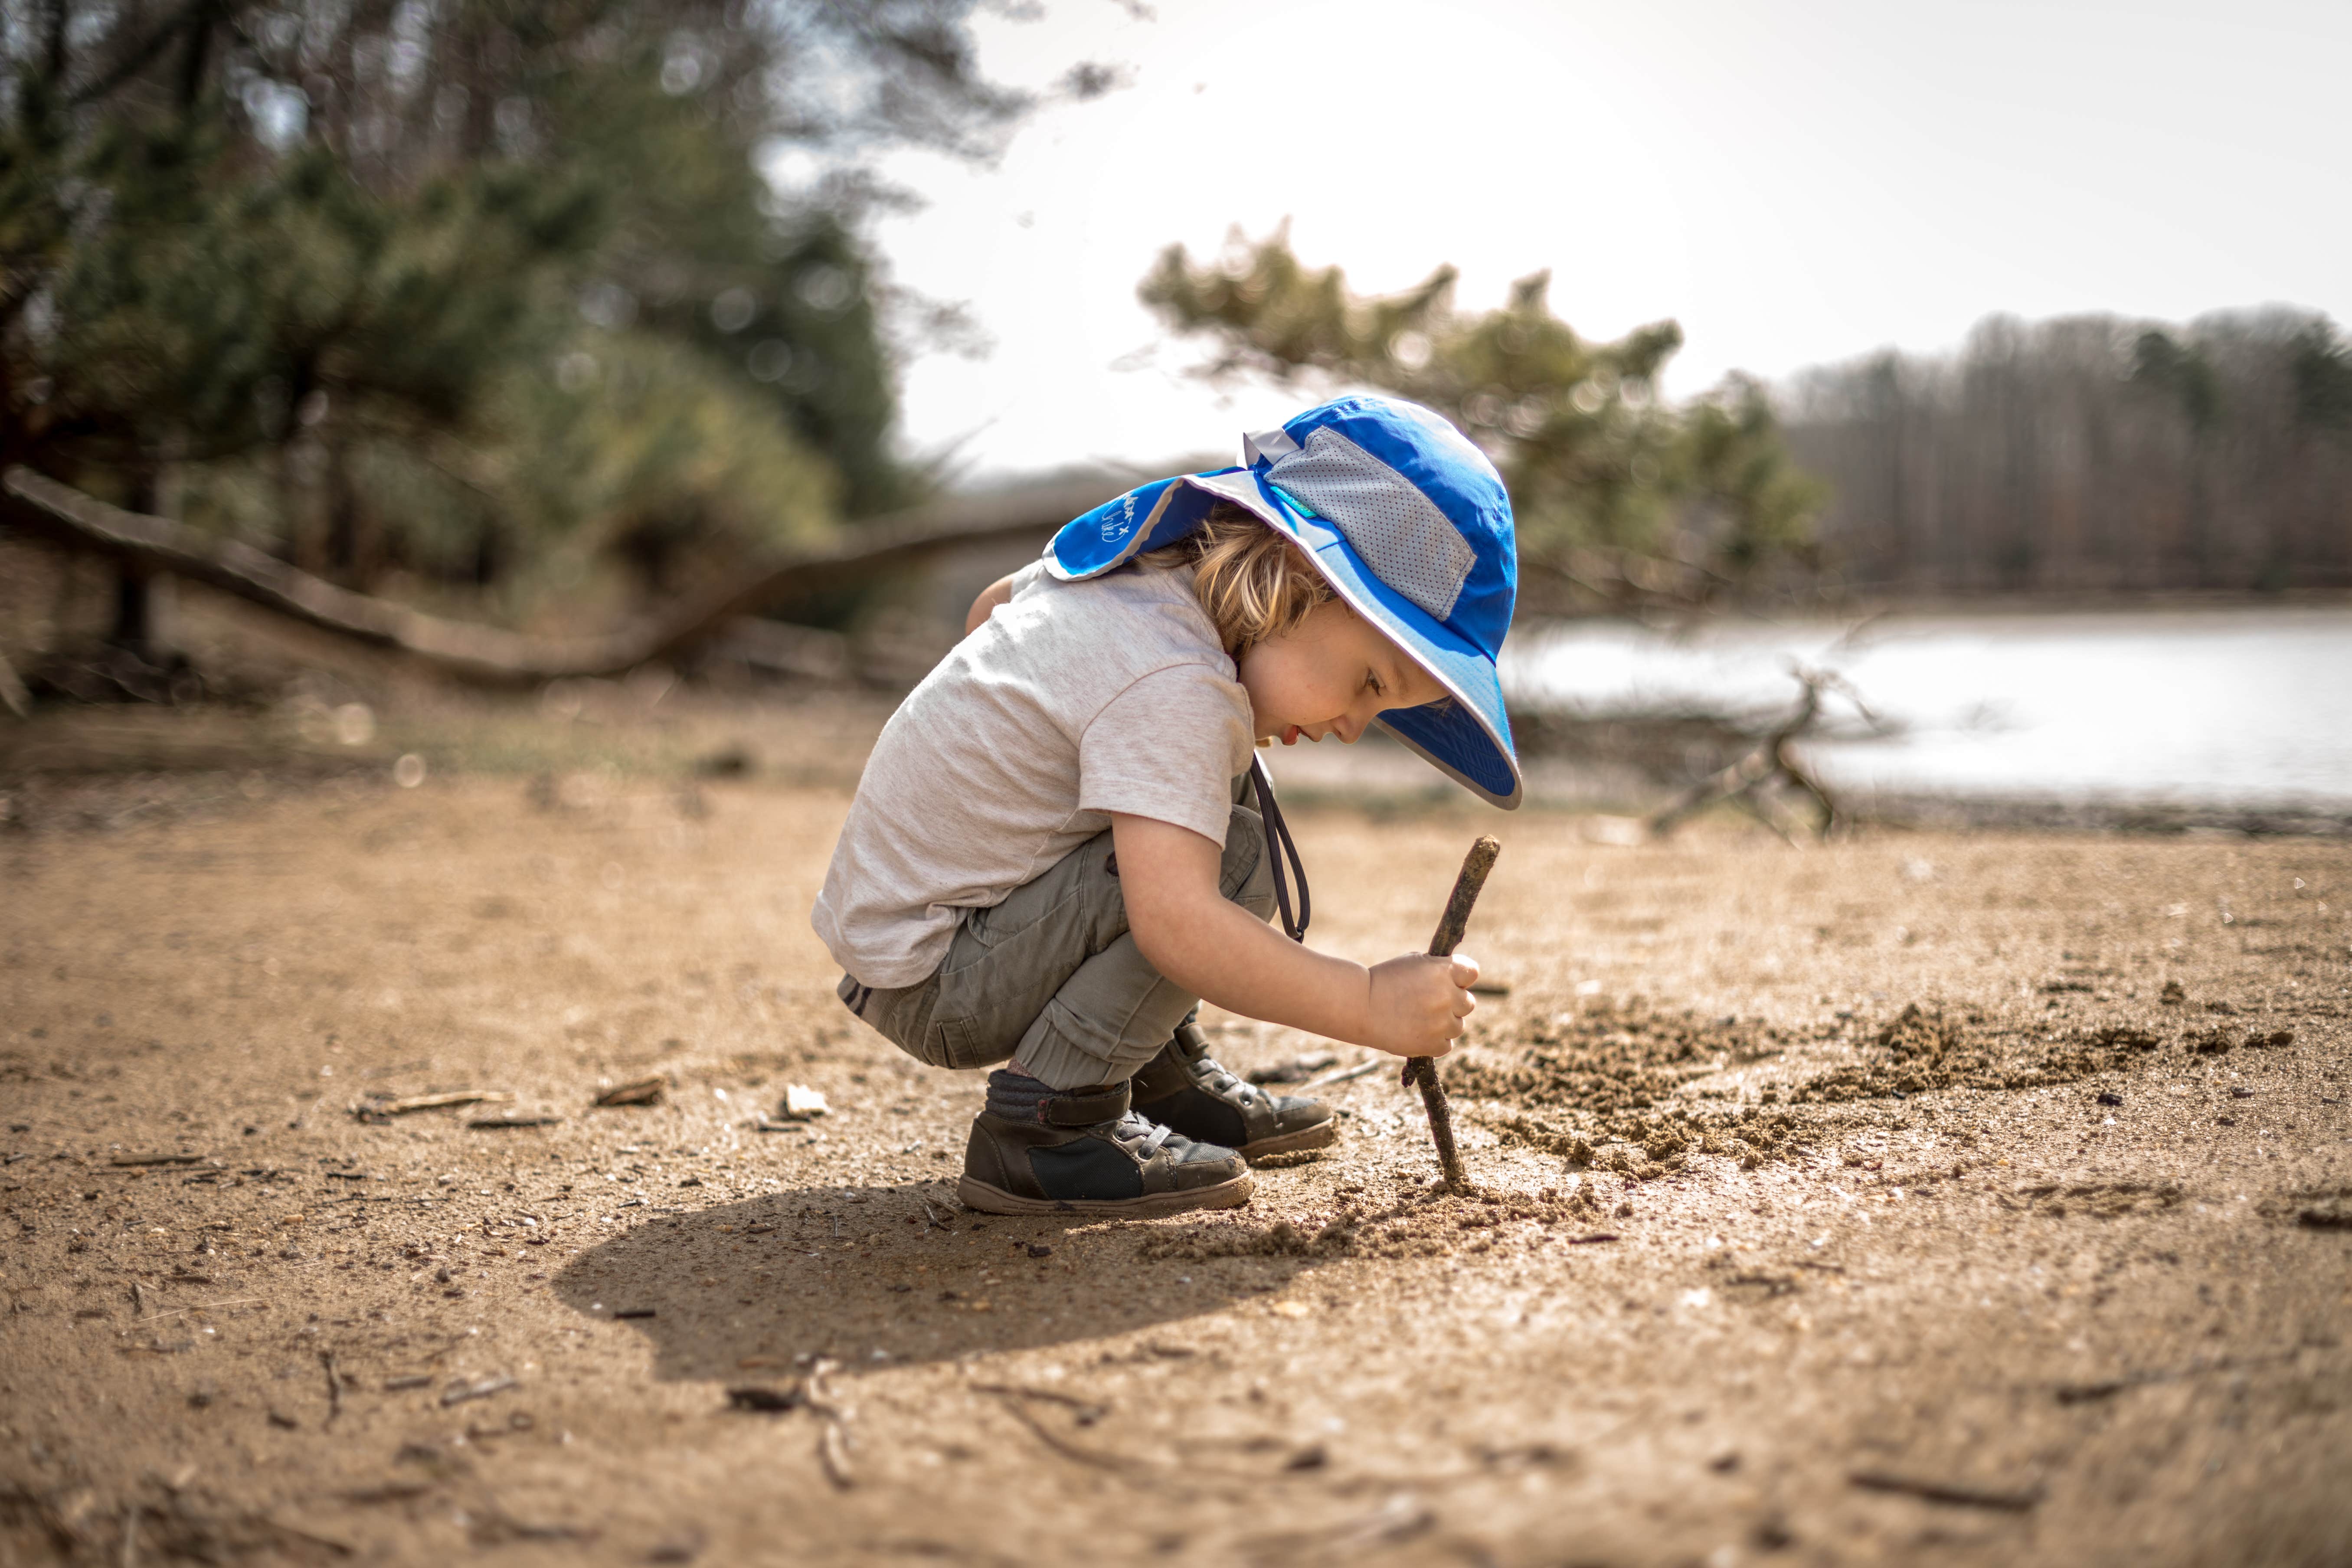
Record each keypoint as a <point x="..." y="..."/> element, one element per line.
<point x="1332" y="676"/>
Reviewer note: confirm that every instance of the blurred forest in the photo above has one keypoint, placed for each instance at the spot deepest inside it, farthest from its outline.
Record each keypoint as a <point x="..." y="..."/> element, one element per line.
<point x="467" y="300"/>
<point x="2091" y="453"/>
<point x="562" y="315"/>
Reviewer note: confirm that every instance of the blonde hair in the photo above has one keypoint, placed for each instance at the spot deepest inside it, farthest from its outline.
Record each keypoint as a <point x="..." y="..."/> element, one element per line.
<point x="1252" y="581"/>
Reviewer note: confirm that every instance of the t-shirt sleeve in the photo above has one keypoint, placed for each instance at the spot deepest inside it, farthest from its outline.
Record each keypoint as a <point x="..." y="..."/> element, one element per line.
<point x="1167" y="747"/>
<point x="1032" y="574"/>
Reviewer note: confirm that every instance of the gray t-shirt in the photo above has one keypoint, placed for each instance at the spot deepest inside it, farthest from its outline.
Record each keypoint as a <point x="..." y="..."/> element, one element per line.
<point x="1073" y="700"/>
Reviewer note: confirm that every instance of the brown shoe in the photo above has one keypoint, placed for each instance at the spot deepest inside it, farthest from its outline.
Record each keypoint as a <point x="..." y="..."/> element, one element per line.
<point x="1039" y="1150"/>
<point x="1185" y="1088"/>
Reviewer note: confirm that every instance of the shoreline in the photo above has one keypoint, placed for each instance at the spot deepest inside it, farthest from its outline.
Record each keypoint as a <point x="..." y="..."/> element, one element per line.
<point x="91" y="767"/>
<point x="1865" y="603"/>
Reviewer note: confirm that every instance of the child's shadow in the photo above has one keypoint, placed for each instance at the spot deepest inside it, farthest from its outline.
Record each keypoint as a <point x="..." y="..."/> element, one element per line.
<point x="726" y="1292"/>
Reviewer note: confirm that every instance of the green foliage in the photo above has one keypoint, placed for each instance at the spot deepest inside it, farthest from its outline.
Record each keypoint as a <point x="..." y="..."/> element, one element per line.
<point x="644" y="446"/>
<point x="2201" y="367"/>
<point x="2322" y="376"/>
<point x="1592" y="456"/>
<point x="626" y="444"/>
<point x="466" y="285"/>
<point x="808" y="327"/>
<point x="1739" y="463"/>
<point x="204" y="301"/>
<point x="2181" y="371"/>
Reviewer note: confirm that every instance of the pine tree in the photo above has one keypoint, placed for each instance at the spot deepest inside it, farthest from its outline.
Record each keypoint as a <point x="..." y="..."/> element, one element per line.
<point x="1597" y="463"/>
<point x="466" y="286"/>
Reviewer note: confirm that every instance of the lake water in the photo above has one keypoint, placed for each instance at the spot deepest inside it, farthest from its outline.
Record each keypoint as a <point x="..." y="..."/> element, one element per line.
<point x="2194" y="707"/>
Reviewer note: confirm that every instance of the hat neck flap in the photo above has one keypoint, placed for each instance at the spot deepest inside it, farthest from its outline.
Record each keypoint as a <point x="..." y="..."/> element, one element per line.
<point x="1150" y="517"/>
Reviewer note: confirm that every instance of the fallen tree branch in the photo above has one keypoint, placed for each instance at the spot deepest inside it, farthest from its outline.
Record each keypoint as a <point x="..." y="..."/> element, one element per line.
<point x="1625" y="580"/>
<point x="490" y="656"/>
<point x="1772" y="760"/>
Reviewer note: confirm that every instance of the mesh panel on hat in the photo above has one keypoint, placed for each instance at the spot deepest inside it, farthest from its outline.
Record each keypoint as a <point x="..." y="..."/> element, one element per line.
<point x="1400" y="533"/>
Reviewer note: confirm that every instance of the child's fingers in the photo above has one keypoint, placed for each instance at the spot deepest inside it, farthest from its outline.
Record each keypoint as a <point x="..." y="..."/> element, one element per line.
<point x="1464" y="973"/>
<point x="1430" y="1002"/>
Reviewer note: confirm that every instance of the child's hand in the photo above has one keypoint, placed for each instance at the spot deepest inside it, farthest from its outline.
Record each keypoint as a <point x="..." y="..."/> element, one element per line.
<point x="1208" y="945"/>
<point x="1418" y="1003"/>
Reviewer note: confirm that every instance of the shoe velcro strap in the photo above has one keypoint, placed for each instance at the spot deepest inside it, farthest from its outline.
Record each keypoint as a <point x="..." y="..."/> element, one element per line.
<point x="1087" y="1108"/>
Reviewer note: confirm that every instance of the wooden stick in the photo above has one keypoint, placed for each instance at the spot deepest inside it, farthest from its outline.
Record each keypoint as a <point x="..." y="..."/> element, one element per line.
<point x="1423" y="1070"/>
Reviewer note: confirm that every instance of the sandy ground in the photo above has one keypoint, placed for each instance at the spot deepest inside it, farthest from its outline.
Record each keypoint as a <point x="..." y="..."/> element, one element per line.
<point x="1921" y="1199"/>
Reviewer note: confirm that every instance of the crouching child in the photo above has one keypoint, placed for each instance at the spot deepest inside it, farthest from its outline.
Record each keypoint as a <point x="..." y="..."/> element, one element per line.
<point x="1064" y="842"/>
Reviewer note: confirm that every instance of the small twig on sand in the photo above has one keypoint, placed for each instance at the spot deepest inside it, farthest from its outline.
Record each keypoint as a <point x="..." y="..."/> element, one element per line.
<point x="326" y="1544"/>
<point x="833" y="1452"/>
<point x="125" y="1161"/>
<point x="820" y="1398"/>
<point x="334" y="1386"/>
<point x="833" y="1441"/>
<point x="1341" y="1074"/>
<point x="1088" y="1411"/>
<point x="759" y="1396"/>
<point x="2086" y="1393"/>
<point x="1014" y="1403"/>
<point x="1959" y="1495"/>
<point x="1399" y="1519"/>
<point x="458" y="1393"/>
<point x="371" y="1110"/>
<point x="208" y="1306"/>
<point x="637" y="1091"/>
<point x="1085" y="1413"/>
<point x="950" y="1205"/>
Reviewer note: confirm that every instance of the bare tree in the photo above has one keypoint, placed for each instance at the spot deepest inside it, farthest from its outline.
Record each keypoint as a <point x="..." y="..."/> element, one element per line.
<point x="2091" y="453"/>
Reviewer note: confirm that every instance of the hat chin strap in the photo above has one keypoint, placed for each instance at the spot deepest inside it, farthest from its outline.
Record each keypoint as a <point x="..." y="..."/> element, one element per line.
<point x="1277" y="846"/>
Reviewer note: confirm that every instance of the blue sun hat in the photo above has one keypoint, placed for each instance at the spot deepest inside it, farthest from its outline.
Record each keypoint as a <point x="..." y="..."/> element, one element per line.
<point x="1410" y="525"/>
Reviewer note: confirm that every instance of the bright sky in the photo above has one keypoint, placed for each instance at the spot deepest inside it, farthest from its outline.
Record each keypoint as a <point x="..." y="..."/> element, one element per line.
<point x="1796" y="183"/>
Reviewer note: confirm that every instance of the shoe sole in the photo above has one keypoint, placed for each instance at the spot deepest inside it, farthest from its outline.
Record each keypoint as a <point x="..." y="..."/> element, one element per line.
<point x="1322" y="1135"/>
<point x="978" y="1195"/>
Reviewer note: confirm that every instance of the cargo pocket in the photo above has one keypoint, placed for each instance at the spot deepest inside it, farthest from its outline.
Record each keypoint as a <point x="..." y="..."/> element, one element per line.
<point x="907" y="1017"/>
<point x="958" y="1043"/>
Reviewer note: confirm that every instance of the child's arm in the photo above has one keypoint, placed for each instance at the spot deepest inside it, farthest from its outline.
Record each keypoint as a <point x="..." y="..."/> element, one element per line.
<point x="1411" y="1006"/>
<point x="997" y="592"/>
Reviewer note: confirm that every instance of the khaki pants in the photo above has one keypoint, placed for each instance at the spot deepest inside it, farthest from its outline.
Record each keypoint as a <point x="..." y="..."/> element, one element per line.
<point x="1052" y="976"/>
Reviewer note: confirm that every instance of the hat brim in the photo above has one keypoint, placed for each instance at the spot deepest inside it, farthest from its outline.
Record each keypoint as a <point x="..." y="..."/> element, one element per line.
<point x="1468" y="738"/>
